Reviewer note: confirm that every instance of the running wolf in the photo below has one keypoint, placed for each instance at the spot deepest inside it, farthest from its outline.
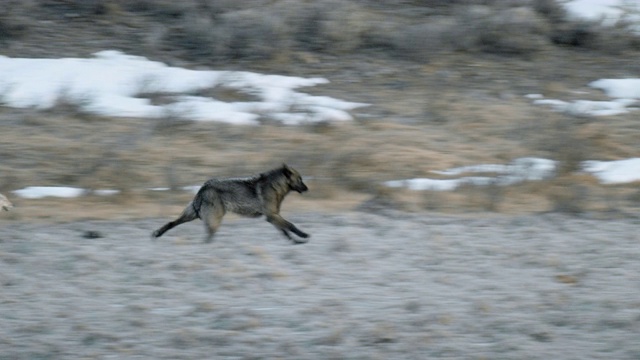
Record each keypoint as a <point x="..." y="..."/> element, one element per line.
<point x="252" y="197"/>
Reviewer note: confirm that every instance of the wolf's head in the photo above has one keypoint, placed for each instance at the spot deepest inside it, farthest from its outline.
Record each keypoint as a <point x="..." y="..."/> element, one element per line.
<point x="294" y="180"/>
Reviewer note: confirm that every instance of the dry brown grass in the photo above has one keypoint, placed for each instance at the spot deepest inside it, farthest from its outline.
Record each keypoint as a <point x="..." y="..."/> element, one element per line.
<point x="345" y="164"/>
<point x="452" y="109"/>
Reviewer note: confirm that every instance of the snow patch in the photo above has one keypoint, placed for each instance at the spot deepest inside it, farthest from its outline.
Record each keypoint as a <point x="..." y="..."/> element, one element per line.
<point x="39" y="192"/>
<point x="619" y="88"/>
<point x="614" y="172"/>
<point x="113" y="84"/>
<point x="519" y="170"/>
<point x="609" y="12"/>
<point x="522" y="169"/>
<point x="626" y="94"/>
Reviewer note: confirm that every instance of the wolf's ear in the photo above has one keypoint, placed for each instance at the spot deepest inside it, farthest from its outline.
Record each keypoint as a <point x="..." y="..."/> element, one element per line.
<point x="286" y="171"/>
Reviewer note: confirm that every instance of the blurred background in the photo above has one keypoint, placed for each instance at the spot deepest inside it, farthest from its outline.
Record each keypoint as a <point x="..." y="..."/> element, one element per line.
<point x="446" y="82"/>
<point x="455" y="88"/>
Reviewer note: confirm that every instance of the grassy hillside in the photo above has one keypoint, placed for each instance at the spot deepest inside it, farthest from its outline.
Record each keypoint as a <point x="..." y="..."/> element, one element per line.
<point x="446" y="80"/>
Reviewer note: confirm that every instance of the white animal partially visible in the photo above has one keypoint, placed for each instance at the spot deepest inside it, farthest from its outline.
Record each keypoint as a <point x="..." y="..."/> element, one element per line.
<point x="5" y="204"/>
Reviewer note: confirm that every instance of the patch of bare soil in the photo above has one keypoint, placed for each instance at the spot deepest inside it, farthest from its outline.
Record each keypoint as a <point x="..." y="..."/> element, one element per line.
<point x="394" y="285"/>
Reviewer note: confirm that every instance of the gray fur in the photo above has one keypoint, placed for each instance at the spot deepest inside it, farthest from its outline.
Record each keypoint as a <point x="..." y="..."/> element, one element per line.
<point x="252" y="197"/>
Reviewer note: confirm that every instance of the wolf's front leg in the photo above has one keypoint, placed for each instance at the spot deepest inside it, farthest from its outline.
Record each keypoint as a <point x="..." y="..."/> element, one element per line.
<point x="283" y="225"/>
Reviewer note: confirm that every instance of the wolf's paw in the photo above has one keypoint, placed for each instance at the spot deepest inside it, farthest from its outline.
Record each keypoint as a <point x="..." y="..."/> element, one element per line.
<point x="300" y="241"/>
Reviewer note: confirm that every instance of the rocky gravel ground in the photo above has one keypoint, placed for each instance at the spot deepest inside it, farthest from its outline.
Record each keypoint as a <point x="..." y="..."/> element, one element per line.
<point x="390" y="285"/>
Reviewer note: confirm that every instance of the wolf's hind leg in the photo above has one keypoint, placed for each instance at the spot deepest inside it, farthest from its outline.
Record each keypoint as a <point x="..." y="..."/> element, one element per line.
<point x="189" y="214"/>
<point x="212" y="216"/>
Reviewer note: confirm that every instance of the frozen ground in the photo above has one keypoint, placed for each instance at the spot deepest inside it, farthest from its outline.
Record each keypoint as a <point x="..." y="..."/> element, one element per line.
<point x="367" y="286"/>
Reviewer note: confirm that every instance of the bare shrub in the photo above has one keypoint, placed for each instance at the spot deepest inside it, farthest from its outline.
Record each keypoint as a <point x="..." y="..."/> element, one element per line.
<point x="498" y="30"/>
<point x="578" y="34"/>
<point x="308" y="25"/>
<point x="593" y="34"/>
<point x="169" y="10"/>
<point x="250" y="34"/>
<point x="415" y="30"/>
<point x="218" y="7"/>
<point x="381" y="34"/>
<point x="553" y="10"/>
<point x="81" y="8"/>
<point x="420" y="42"/>
<point x="514" y="31"/>
<point x="11" y="29"/>
<point x="245" y="34"/>
<point x="12" y="25"/>
<point x="330" y="26"/>
<point x="345" y="28"/>
<point x="443" y="4"/>
<point x="618" y="39"/>
<point x="194" y="35"/>
<point x="614" y="39"/>
<point x="162" y="10"/>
